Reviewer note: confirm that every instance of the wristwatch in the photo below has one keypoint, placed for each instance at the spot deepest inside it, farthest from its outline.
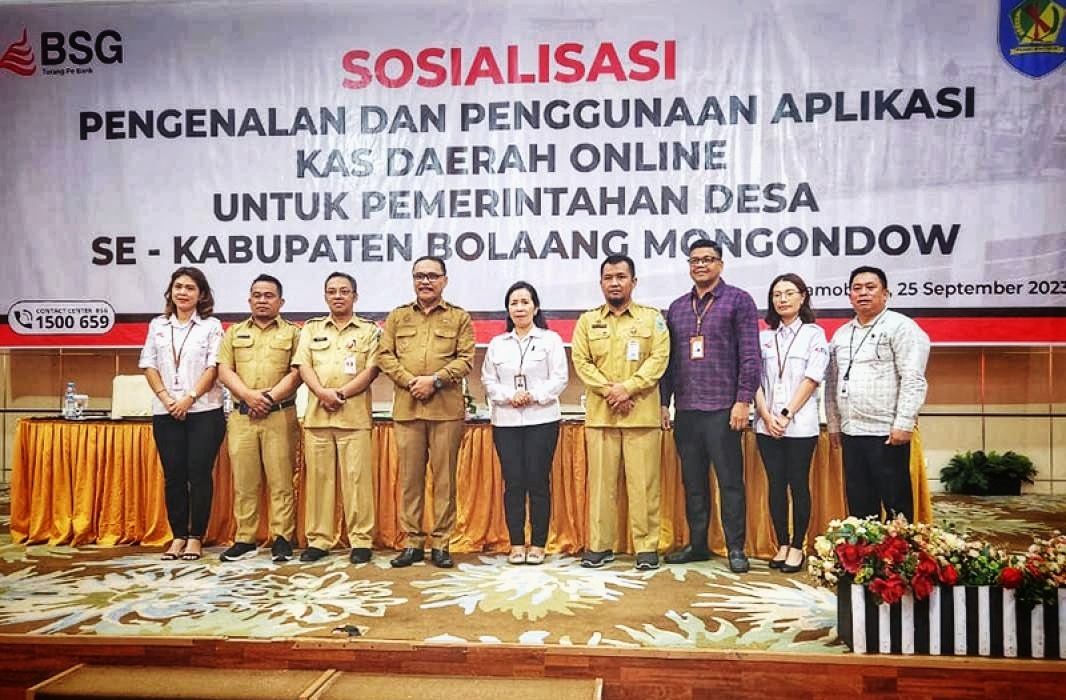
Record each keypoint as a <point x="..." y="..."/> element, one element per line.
<point x="784" y="412"/>
<point x="437" y="383"/>
<point x="193" y="395"/>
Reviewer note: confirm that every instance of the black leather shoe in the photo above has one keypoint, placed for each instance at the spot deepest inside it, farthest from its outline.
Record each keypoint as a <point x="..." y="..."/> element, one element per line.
<point x="441" y="559"/>
<point x="359" y="555"/>
<point x="313" y="554"/>
<point x="686" y="555"/>
<point x="408" y="556"/>
<point x="738" y="562"/>
<point x="787" y="568"/>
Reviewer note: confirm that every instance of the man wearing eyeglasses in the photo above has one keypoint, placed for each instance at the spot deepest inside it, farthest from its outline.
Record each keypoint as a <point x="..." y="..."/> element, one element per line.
<point x="427" y="350"/>
<point x="712" y="378"/>
<point x="874" y="388"/>
<point x="254" y="362"/>
<point x="337" y="359"/>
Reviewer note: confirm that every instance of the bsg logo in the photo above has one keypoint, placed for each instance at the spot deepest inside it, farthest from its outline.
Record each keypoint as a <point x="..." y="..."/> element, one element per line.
<point x="80" y="47"/>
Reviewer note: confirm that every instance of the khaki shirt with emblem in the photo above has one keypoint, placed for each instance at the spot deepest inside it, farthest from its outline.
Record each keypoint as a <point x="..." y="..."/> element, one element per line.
<point x="631" y="348"/>
<point x="324" y="347"/>
<point x="261" y="357"/>
<point x="415" y="343"/>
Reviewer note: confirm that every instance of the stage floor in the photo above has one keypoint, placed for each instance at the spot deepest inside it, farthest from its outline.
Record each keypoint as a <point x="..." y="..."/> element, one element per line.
<point x="130" y="592"/>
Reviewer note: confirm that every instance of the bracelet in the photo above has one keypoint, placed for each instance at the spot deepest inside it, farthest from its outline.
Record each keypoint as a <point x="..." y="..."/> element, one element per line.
<point x="161" y="391"/>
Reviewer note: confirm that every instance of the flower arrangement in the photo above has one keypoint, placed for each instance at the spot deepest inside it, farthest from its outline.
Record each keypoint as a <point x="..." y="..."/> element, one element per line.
<point x="1041" y="571"/>
<point x="896" y="557"/>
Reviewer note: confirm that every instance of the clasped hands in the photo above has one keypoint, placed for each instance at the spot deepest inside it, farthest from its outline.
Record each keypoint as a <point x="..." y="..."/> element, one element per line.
<point x="618" y="399"/>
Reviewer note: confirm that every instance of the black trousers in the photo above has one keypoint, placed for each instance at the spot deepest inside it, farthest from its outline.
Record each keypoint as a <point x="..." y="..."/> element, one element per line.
<point x="526" y="454"/>
<point x="704" y="438"/>
<point x="788" y="468"/>
<point x="877" y="474"/>
<point x="187" y="448"/>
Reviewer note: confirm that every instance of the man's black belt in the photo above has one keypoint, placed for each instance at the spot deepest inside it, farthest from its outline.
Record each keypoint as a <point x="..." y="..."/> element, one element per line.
<point x="243" y="407"/>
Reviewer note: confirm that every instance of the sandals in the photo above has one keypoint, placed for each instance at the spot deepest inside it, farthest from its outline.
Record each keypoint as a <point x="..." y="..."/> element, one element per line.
<point x="535" y="556"/>
<point x="192" y="553"/>
<point x="175" y="551"/>
<point x="517" y="556"/>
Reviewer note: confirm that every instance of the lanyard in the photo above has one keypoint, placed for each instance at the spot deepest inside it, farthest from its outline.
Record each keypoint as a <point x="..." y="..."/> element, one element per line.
<point x="523" y="350"/>
<point x="852" y="352"/>
<point x="176" y="354"/>
<point x="780" y="359"/>
<point x="700" y="314"/>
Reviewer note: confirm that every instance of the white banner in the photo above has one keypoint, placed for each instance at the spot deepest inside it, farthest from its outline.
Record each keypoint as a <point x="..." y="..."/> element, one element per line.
<point x="527" y="140"/>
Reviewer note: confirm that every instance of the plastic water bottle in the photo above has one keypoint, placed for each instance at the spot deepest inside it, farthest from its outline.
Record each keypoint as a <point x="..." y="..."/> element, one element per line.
<point x="227" y="401"/>
<point x="70" y="404"/>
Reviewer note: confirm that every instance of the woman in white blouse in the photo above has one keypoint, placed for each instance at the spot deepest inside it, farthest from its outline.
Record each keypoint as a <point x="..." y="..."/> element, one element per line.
<point x="179" y="360"/>
<point x="524" y="372"/>
<point x="794" y="359"/>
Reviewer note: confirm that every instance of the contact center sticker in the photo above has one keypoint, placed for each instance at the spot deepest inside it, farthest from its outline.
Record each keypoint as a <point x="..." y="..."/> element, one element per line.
<point x="61" y="317"/>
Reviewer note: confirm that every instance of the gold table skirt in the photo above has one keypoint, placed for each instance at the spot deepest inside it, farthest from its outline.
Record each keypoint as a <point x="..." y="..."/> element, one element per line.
<point x="82" y="482"/>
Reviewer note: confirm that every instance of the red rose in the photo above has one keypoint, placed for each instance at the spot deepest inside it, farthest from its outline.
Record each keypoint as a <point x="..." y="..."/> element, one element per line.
<point x="949" y="575"/>
<point x="927" y="566"/>
<point x="851" y="556"/>
<point x="922" y="586"/>
<point x="1010" y="577"/>
<point x="889" y="590"/>
<point x="893" y="550"/>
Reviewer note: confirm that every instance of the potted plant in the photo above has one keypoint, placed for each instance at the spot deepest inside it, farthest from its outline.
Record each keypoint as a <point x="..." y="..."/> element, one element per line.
<point x="989" y="473"/>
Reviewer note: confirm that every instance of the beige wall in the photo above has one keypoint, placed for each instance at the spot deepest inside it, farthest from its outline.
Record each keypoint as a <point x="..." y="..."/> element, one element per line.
<point x="992" y="398"/>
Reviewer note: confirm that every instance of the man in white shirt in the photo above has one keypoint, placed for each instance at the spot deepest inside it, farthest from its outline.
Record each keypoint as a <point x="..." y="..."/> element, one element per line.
<point x="874" y="389"/>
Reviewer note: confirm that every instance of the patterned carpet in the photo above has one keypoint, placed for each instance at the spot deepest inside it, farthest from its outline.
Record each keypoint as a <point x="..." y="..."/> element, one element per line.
<point x="130" y="591"/>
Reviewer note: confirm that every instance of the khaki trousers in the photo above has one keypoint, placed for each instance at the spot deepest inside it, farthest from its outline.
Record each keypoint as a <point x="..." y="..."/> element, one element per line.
<point x="638" y="451"/>
<point x="344" y="454"/>
<point x="263" y="448"/>
<point x="420" y="442"/>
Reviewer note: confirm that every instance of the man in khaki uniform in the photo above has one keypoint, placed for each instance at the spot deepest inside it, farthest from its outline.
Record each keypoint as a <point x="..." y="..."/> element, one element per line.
<point x="337" y="359"/>
<point x="254" y="363"/>
<point x="619" y="351"/>
<point x="427" y="349"/>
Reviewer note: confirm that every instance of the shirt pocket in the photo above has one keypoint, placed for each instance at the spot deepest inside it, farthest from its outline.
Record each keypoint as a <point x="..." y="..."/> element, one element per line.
<point x="599" y="344"/>
<point x="443" y="342"/>
<point x="243" y="349"/>
<point x="406" y="339"/>
<point x="281" y="348"/>
<point x="643" y="335"/>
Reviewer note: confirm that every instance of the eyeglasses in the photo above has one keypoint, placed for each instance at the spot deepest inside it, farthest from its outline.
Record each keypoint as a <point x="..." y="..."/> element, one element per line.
<point x="785" y="295"/>
<point x="703" y="261"/>
<point x="331" y="292"/>
<point x="426" y="276"/>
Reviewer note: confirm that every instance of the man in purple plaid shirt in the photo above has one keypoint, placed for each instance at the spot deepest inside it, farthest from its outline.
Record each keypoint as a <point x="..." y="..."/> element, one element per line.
<point x="712" y="378"/>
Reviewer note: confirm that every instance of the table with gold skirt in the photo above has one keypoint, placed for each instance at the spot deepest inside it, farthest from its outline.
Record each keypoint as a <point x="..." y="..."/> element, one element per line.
<point x="81" y="482"/>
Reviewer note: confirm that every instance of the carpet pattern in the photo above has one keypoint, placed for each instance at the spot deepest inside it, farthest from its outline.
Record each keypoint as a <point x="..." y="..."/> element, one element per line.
<point x="130" y="591"/>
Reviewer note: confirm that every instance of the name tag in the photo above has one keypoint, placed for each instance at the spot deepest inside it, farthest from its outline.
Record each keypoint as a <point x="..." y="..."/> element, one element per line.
<point x="633" y="350"/>
<point x="695" y="347"/>
<point x="349" y="364"/>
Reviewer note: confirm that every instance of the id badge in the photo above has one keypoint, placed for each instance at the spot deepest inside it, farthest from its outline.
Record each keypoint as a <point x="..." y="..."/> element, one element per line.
<point x="633" y="350"/>
<point x="349" y="364"/>
<point x="843" y="390"/>
<point x="779" y="398"/>
<point x="695" y="347"/>
<point x="520" y="382"/>
<point x="178" y="389"/>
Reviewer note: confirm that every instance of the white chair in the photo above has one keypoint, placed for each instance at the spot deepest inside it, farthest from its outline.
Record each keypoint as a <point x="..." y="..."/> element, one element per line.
<point x="131" y="397"/>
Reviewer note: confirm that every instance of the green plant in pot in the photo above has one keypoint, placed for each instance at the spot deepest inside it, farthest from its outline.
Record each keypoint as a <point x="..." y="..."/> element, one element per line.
<point x="989" y="473"/>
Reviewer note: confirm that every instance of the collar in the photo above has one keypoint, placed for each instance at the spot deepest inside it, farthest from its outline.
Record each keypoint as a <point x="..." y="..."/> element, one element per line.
<point x="276" y="322"/>
<point x="791" y="328"/>
<point x="715" y="292"/>
<point x="194" y="319"/>
<point x="534" y="332"/>
<point x="606" y="310"/>
<point x="441" y="304"/>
